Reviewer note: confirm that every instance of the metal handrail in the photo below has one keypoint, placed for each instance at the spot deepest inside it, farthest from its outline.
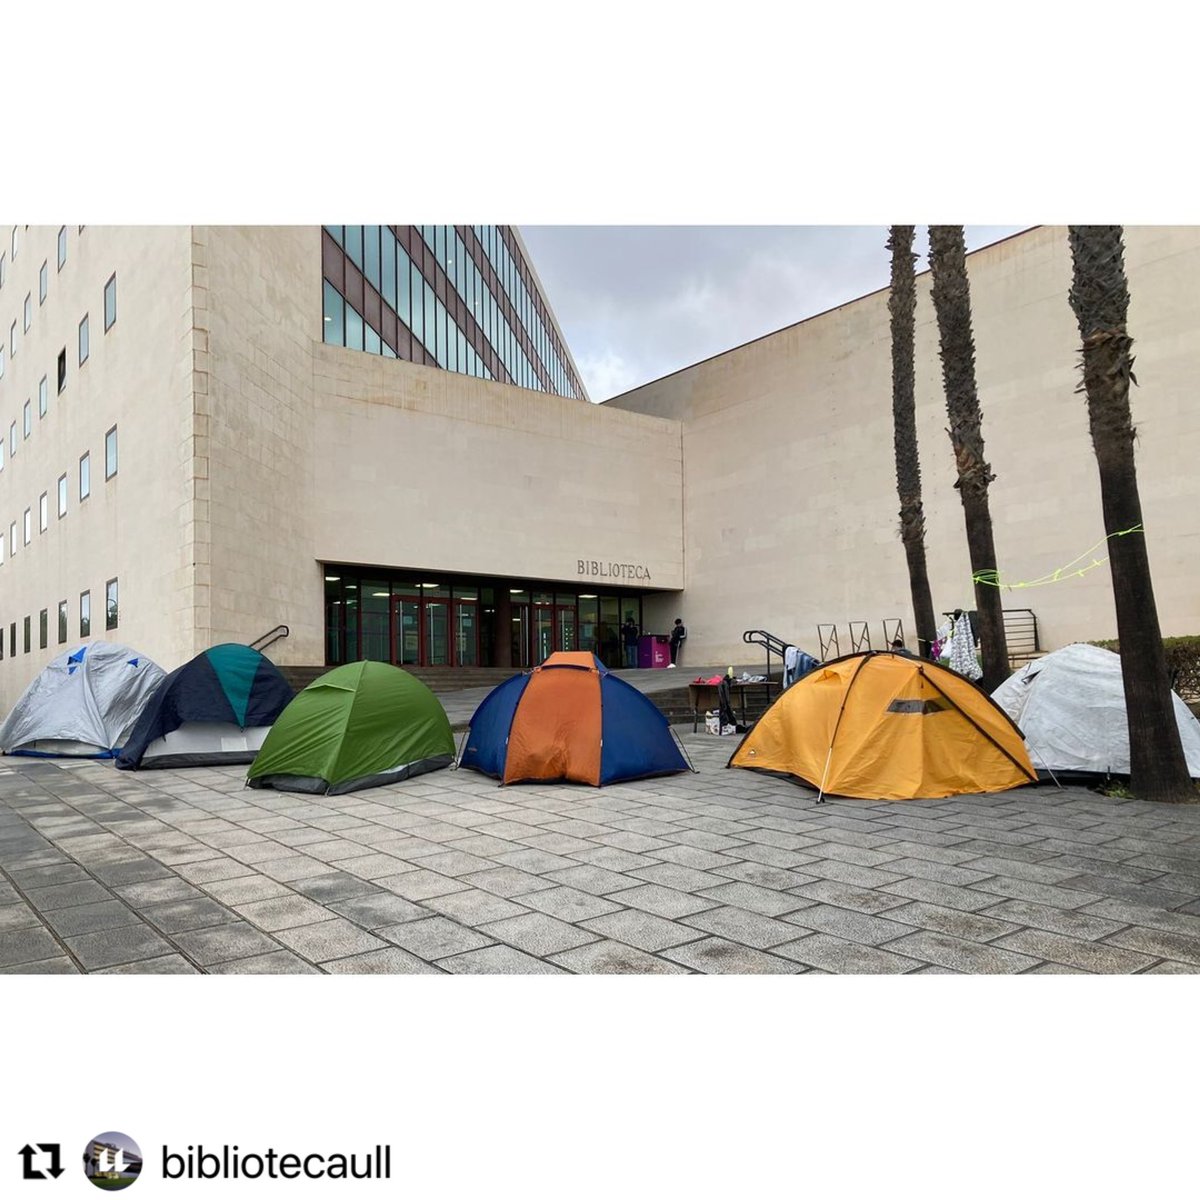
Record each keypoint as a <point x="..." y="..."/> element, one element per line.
<point x="770" y="642"/>
<point x="270" y="638"/>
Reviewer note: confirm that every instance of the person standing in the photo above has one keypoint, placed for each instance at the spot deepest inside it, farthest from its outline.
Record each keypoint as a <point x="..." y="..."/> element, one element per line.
<point x="678" y="637"/>
<point x="629" y="636"/>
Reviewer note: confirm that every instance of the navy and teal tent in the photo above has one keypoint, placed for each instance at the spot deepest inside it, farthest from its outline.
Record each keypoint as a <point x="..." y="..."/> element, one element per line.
<point x="214" y="710"/>
<point x="569" y="719"/>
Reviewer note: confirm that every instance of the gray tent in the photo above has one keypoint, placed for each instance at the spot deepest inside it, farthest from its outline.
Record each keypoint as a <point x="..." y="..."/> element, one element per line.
<point x="83" y="704"/>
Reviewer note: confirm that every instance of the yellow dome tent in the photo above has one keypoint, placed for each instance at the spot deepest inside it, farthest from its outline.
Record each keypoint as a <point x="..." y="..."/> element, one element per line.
<point x="883" y="726"/>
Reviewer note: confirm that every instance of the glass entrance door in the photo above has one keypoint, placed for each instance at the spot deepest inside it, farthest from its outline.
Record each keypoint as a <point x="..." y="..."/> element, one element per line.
<point x="566" y="639"/>
<point x="466" y="633"/>
<point x="520" y="635"/>
<point x="543" y="632"/>
<point x="437" y="633"/>
<point x="406" y="629"/>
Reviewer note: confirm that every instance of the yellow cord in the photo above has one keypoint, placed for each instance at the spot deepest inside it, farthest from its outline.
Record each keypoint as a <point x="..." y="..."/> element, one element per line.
<point x="1062" y="574"/>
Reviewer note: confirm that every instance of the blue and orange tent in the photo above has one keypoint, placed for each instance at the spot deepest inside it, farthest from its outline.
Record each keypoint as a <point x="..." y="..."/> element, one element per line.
<point x="570" y="720"/>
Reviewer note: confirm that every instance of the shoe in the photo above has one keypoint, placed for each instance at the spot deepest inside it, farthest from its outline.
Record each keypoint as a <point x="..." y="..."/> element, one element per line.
<point x="670" y="666"/>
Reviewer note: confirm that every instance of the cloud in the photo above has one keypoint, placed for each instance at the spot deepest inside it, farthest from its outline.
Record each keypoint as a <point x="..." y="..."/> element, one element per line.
<point x="639" y="302"/>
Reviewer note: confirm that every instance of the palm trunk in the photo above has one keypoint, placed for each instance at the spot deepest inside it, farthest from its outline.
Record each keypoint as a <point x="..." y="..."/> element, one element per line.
<point x="902" y="306"/>
<point x="952" y="300"/>
<point x="1100" y="298"/>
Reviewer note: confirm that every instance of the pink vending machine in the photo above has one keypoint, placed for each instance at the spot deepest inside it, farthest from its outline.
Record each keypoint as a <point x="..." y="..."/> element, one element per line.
<point x="654" y="650"/>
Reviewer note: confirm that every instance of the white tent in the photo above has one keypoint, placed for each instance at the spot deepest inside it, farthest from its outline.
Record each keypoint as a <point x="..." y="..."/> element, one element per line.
<point x="83" y="703"/>
<point x="1070" y="705"/>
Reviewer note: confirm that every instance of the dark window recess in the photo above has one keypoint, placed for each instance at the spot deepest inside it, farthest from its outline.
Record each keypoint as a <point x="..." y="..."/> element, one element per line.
<point x="62" y="369"/>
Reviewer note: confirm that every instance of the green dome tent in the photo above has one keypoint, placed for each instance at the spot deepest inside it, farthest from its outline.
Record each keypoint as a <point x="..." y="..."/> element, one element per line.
<point x="360" y="725"/>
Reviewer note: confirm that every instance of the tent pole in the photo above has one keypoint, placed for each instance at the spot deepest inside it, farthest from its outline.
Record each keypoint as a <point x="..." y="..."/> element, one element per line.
<point x="683" y="748"/>
<point x="841" y="712"/>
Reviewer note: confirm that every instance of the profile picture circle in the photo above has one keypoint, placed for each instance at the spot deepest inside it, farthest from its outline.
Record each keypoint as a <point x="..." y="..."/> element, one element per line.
<point x="112" y="1161"/>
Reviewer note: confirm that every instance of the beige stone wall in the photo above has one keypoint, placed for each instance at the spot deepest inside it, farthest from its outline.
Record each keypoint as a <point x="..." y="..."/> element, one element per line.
<point x="789" y="482"/>
<point x="135" y="527"/>
<point x="259" y="300"/>
<point x="418" y="467"/>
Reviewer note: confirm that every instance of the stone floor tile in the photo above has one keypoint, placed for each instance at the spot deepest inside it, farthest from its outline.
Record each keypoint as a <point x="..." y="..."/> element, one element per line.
<point x="157" y="891"/>
<point x="779" y="879"/>
<point x="748" y="928"/>
<point x="224" y="943"/>
<point x="475" y="907"/>
<point x="767" y="901"/>
<point x="369" y="866"/>
<point x="498" y="960"/>
<point x="455" y="863"/>
<point x="842" y="895"/>
<point x="282" y="912"/>
<point x="211" y="870"/>
<point x="596" y="880"/>
<point x="840" y="957"/>
<point x="434" y="938"/>
<point x="17" y="916"/>
<point x="642" y="929"/>
<point x="716" y="956"/>
<point x="973" y="926"/>
<point x="535" y="862"/>
<point x="614" y="958"/>
<point x="613" y="859"/>
<point x="1037" y="893"/>
<point x="680" y="879"/>
<point x="422" y="885"/>
<point x="508" y="882"/>
<point x="66" y="895"/>
<point x="37" y="877"/>
<point x="391" y="961"/>
<point x="570" y="904"/>
<point x="177" y="916"/>
<point x="1159" y="943"/>
<point x="538" y="933"/>
<point x="1173" y="968"/>
<point x="138" y="870"/>
<point x="333" y="937"/>
<point x="325" y="889"/>
<point x="855" y="876"/>
<point x="1098" y="958"/>
<point x="248" y="887"/>
<point x="1067" y="921"/>
<point x="300" y="866"/>
<point x="1137" y="893"/>
<point x="848" y="925"/>
<point x="19" y="946"/>
<point x="113" y="947"/>
<point x="664" y="901"/>
<point x="277" y="962"/>
<point x="942" y="950"/>
<point x="379" y="909"/>
<point x="945" y="894"/>
<point x="167" y="964"/>
<point x="90" y="918"/>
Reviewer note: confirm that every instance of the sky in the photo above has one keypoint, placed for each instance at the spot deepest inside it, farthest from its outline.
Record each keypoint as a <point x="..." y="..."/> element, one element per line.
<point x="637" y="302"/>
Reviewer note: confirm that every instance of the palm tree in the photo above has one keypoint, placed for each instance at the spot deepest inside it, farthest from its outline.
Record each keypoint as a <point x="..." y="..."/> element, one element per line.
<point x="952" y="301"/>
<point x="902" y="302"/>
<point x="1100" y="298"/>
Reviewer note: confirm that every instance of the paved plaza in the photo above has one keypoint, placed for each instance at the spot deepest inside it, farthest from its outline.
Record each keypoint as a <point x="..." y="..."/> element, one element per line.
<point x="715" y="872"/>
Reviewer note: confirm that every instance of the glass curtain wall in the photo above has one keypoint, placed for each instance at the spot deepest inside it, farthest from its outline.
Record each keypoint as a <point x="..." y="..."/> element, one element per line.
<point x="459" y="297"/>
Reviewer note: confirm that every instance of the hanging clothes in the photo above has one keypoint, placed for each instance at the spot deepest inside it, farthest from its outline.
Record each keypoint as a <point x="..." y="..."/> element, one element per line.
<point x="962" y="650"/>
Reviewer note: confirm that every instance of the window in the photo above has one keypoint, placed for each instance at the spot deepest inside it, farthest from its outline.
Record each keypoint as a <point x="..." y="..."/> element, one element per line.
<point x="28" y="319"/>
<point x="85" y="476"/>
<point x="12" y="539"/>
<point x="110" y="303"/>
<point x="62" y="621"/>
<point x="43" y="628"/>
<point x="27" y="631"/>
<point x="28" y="525"/>
<point x="62" y="247"/>
<point x="335" y="316"/>
<point x="16" y="241"/>
<point x="43" y="282"/>
<point x="2" y="260"/>
<point x="110" y="453"/>
<point x="12" y="640"/>
<point x="1" y="555"/>
<point x="43" y="396"/>
<point x="27" y="418"/>
<point x="83" y="340"/>
<point x="85" y="614"/>
<point x="62" y="496"/>
<point x="62" y="369"/>
<point x="43" y="512"/>
<point x="1" y="360"/>
<point x="12" y="341"/>
<point x="110" y="604"/>
<point x="12" y="440"/>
